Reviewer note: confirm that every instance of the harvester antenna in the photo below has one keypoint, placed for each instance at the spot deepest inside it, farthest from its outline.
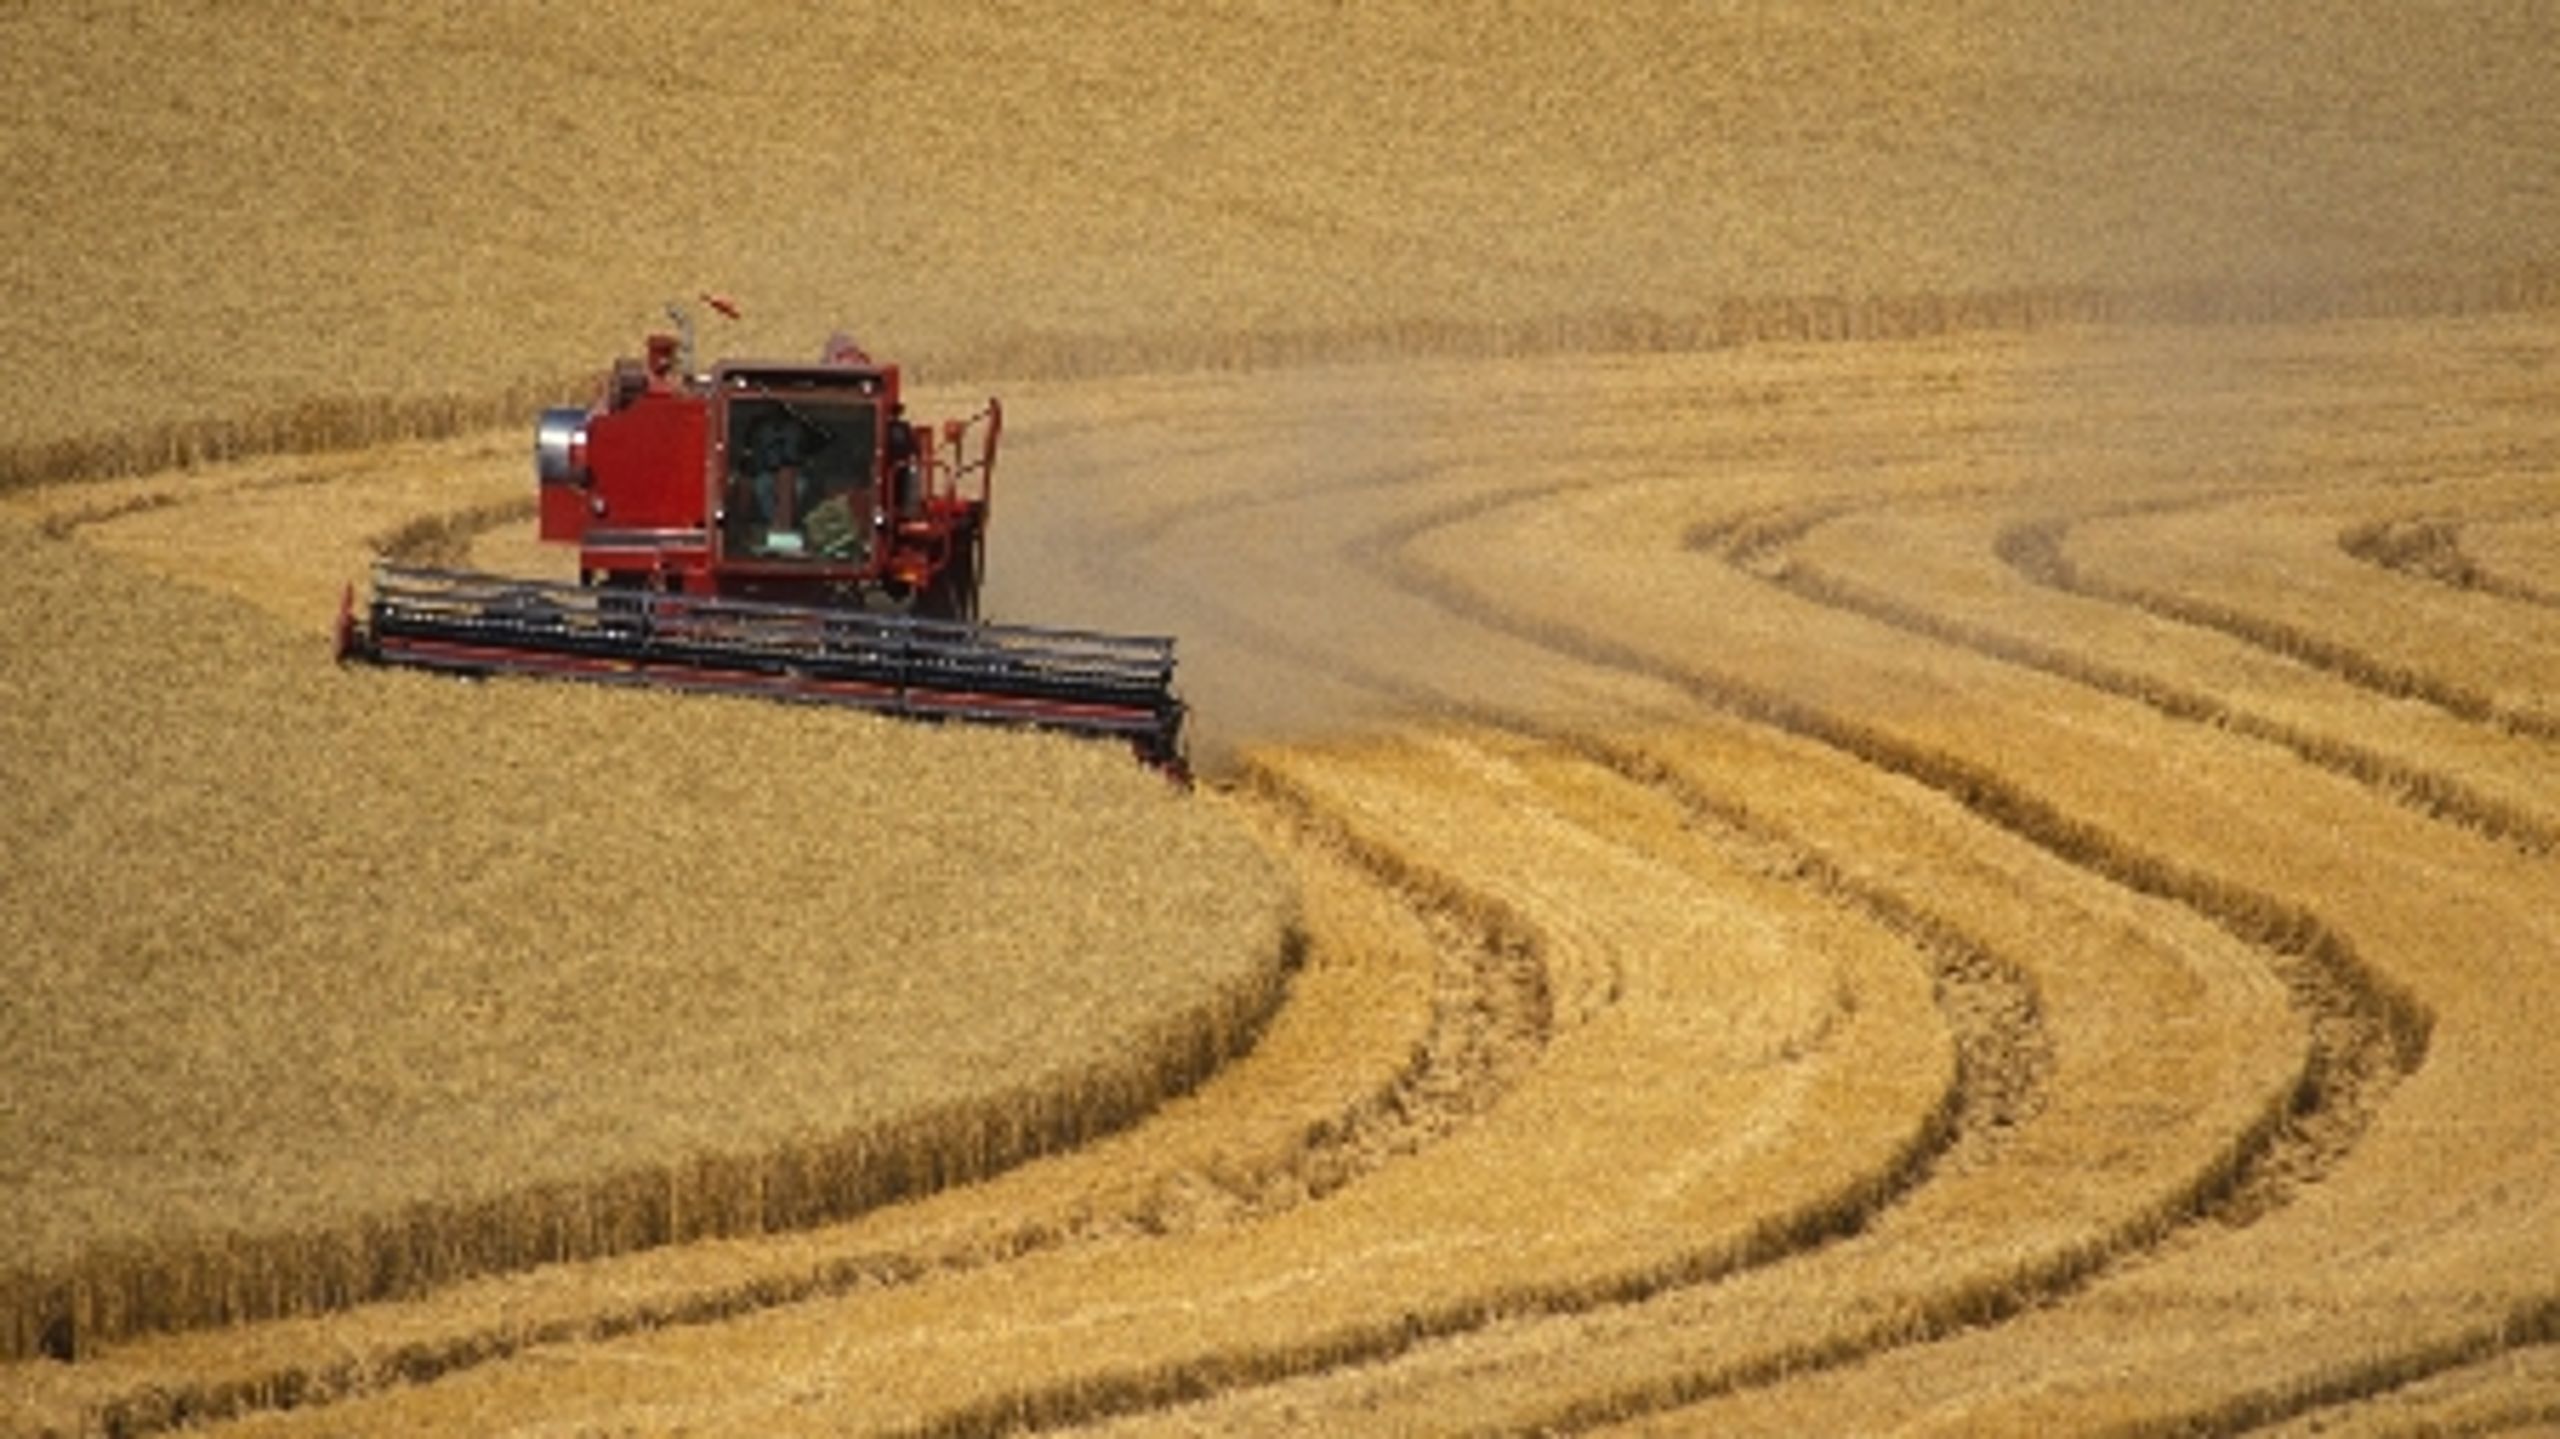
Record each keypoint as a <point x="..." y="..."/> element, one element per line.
<point x="683" y="319"/>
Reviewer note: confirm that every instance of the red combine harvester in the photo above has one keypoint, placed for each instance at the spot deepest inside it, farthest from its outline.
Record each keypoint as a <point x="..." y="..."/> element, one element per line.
<point x="775" y="529"/>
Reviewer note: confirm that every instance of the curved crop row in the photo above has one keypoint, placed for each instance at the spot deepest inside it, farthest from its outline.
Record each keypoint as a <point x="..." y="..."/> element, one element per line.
<point x="1501" y="1220"/>
<point x="2426" y="789"/>
<point x="2431" y="546"/>
<point x="2392" y="1019"/>
<point x="2234" y="1181"/>
<point x="1413" y="1008"/>
<point x="2038" y="550"/>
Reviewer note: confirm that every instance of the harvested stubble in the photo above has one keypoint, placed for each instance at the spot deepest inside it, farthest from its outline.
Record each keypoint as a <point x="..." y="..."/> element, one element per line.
<point x="1370" y="1059"/>
<point x="2277" y="854"/>
<point x="2157" y="1057"/>
<point x="1738" y="1070"/>
<point x="2520" y="556"/>
<point x="2373" y="916"/>
<point x="333" y="985"/>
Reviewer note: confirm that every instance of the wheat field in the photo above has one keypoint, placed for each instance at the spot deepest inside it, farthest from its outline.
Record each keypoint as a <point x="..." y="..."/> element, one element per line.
<point x="1880" y="695"/>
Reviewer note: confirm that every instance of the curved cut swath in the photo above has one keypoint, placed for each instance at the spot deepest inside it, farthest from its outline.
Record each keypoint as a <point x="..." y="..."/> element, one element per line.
<point x="1999" y="882"/>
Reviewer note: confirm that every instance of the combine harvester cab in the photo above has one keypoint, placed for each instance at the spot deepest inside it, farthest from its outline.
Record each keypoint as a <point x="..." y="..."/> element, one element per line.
<point x="772" y="529"/>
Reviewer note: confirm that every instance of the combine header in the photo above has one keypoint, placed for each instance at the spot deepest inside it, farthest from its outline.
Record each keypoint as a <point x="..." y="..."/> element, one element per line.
<point x="776" y="530"/>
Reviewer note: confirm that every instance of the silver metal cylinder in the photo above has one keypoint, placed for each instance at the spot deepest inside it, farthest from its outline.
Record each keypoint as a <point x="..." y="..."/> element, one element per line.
<point x="560" y="447"/>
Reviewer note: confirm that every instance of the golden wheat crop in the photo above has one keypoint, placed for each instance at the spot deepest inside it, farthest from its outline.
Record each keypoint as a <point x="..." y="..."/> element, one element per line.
<point x="1034" y="189"/>
<point x="306" y="1011"/>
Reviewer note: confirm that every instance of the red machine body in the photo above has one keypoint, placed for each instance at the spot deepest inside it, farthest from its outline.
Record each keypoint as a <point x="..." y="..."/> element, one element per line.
<point x="792" y="483"/>
<point x="778" y="530"/>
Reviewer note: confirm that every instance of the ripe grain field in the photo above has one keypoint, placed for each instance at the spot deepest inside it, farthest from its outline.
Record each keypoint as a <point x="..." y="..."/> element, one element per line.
<point x="1883" y="698"/>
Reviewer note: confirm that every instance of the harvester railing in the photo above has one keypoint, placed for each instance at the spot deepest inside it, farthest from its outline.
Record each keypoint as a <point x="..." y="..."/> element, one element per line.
<point x="951" y="472"/>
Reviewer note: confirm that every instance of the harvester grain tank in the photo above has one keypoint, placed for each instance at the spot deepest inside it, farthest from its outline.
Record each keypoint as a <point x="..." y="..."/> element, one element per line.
<point x="779" y="529"/>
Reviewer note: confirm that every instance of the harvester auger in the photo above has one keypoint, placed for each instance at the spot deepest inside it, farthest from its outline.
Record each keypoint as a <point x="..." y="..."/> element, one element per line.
<point x="771" y="529"/>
